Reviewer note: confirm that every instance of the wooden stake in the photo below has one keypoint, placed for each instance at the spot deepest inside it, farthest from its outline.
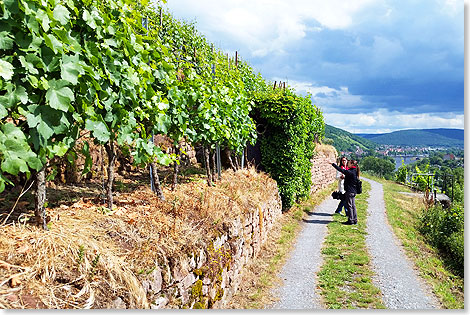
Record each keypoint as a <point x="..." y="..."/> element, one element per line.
<point x="161" y="18"/>
<point x="274" y="84"/>
<point x="236" y="59"/>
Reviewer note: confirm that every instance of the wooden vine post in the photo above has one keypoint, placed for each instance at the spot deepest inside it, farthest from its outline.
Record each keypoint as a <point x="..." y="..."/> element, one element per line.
<point x="208" y="168"/>
<point x="175" y="167"/>
<point x="154" y="179"/>
<point x="111" y="152"/>
<point x="40" y="198"/>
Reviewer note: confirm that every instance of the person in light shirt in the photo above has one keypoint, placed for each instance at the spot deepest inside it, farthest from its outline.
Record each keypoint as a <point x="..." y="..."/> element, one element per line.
<point x="340" y="177"/>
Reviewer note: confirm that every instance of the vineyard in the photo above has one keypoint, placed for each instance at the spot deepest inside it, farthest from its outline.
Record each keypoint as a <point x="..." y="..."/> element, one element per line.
<point x="123" y="155"/>
<point x="77" y="76"/>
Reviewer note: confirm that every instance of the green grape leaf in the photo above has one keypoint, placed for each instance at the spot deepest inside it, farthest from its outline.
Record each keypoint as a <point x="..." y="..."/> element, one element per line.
<point x="99" y="129"/>
<point x="61" y="14"/>
<point x="44" y="130"/>
<point x="43" y="18"/>
<point x="53" y="43"/>
<point x="16" y="153"/>
<point x="59" y="95"/>
<point x="89" y="19"/>
<point x="3" y="111"/>
<point x="70" y="68"/>
<point x="163" y="159"/>
<point x="21" y="94"/>
<point x="6" y="41"/>
<point x="9" y="99"/>
<point x="28" y="66"/>
<point x="6" y="70"/>
<point x="59" y="149"/>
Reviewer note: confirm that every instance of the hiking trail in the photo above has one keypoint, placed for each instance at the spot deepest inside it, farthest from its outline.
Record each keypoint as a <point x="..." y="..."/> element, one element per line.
<point x="395" y="276"/>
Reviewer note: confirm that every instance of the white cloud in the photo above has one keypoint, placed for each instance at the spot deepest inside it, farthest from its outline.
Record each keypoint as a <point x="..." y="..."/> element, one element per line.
<point x="309" y="87"/>
<point x="329" y="99"/>
<point x="267" y="26"/>
<point x="335" y="104"/>
<point x="383" y="121"/>
<point x="388" y="51"/>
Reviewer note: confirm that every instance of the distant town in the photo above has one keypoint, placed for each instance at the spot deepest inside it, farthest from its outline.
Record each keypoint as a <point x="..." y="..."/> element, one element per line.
<point x="414" y="152"/>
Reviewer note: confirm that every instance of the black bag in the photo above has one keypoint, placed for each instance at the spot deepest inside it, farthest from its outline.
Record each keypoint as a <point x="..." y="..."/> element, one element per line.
<point x="359" y="186"/>
<point x="337" y="195"/>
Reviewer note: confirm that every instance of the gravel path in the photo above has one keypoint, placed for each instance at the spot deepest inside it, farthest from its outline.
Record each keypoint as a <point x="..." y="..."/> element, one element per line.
<point x="299" y="272"/>
<point x="395" y="277"/>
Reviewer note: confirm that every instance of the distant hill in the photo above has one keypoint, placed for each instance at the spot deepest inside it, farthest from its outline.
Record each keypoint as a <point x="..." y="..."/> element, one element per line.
<point x="449" y="133"/>
<point x="420" y="137"/>
<point x="346" y="141"/>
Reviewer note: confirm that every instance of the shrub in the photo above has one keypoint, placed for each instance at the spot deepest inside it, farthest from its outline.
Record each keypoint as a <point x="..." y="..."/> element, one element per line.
<point x="292" y="124"/>
<point x="378" y="166"/>
<point x="402" y="173"/>
<point x="444" y="229"/>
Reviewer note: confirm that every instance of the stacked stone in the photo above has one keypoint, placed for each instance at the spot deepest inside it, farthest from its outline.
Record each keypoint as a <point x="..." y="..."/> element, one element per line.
<point x="210" y="277"/>
<point x="323" y="174"/>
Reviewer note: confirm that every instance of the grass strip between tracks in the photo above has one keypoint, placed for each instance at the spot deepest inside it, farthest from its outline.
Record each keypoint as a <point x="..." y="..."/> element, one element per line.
<point x="345" y="278"/>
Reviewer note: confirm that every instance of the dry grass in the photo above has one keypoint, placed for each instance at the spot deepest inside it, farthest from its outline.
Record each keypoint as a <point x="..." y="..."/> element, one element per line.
<point x="91" y="256"/>
<point x="325" y="149"/>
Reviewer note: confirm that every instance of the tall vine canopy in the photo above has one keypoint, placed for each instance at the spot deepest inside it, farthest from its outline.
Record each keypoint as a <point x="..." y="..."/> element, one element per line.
<point x="67" y="67"/>
<point x="116" y="72"/>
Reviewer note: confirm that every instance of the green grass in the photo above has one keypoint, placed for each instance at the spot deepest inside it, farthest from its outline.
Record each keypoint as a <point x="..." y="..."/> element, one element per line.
<point x="345" y="279"/>
<point x="403" y="215"/>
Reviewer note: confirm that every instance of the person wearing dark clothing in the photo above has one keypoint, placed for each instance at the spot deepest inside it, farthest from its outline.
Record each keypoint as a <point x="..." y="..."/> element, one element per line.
<point x="350" y="181"/>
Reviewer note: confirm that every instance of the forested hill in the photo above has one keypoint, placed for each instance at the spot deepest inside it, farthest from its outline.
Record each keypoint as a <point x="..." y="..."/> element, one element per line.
<point x="420" y="137"/>
<point x="346" y="141"/>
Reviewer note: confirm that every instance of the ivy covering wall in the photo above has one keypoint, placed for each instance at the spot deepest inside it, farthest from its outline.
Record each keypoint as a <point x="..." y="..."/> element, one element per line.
<point x="290" y="125"/>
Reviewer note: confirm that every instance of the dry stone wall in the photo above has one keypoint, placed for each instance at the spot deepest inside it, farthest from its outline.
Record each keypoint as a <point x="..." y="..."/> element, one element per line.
<point x="323" y="174"/>
<point x="210" y="277"/>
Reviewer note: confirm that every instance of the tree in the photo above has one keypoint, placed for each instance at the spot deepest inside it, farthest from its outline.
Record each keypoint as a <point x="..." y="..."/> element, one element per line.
<point x="401" y="174"/>
<point x="378" y="166"/>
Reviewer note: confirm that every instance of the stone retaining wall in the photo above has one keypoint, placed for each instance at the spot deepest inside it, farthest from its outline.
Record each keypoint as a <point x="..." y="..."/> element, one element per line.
<point x="211" y="276"/>
<point x="323" y="174"/>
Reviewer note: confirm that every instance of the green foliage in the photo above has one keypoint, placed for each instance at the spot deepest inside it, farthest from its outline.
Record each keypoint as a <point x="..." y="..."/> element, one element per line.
<point x="70" y="65"/>
<point x="444" y="229"/>
<point x="209" y="103"/>
<point x="402" y="173"/>
<point x="292" y="123"/>
<point x="420" y="179"/>
<point x="345" y="141"/>
<point x="378" y="166"/>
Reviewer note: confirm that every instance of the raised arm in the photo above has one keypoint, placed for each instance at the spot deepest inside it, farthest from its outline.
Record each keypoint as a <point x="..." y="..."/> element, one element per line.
<point x="339" y="169"/>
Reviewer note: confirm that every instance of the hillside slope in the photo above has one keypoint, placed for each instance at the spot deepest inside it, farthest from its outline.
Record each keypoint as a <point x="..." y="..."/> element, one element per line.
<point x="420" y="137"/>
<point x="346" y="141"/>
